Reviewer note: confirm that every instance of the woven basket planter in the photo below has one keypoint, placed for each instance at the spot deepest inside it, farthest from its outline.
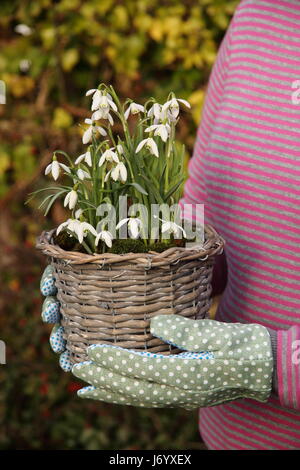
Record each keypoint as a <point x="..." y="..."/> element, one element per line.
<point x="110" y="298"/>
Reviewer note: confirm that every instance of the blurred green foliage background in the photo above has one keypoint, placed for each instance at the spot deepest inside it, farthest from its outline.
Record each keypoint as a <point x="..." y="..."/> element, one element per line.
<point x="144" y="48"/>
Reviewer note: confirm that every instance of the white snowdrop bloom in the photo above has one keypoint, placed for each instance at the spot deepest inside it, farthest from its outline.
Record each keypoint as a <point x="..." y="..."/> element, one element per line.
<point x="105" y="236"/>
<point x="160" y="114"/>
<point x="155" y="111"/>
<point x="54" y="167"/>
<point x="101" y="100"/>
<point x="78" y="213"/>
<point x="71" y="199"/>
<point x="150" y="145"/>
<point x="87" y="136"/>
<point x="96" y="98"/>
<point x="87" y="157"/>
<point x="120" y="149"/>
<point x="109" y="155"/>
<point x="173" y="106"/>
<point x="82" y="174"/>
<point x="80" y="229"/>
<point x="106" y="101"/>
<point x="133" y="108"/>
<point x="162" y="130"/>
<point x="91" y="91"/>
<point x="67" y="223"/>
<point x="134" y="225"/>
<point x="23" y="29"/>
<point x="103" y="113"/>
<point x="172" y="227"/>
<point x="119" y="172"/>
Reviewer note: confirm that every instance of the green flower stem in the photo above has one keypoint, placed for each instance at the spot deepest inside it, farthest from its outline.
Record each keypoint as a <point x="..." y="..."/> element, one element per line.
<point x="61" y="152"/>
<point x="120" y="115"/>
<point x="168" y="153"/>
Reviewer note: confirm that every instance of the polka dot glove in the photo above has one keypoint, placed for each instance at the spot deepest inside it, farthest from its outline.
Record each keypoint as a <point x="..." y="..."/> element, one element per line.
<point x="222" y="362"/>
<point x="51" y="314"/>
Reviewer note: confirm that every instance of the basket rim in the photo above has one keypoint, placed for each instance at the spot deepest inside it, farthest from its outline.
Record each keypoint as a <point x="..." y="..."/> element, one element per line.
<point x="212" y="246"/>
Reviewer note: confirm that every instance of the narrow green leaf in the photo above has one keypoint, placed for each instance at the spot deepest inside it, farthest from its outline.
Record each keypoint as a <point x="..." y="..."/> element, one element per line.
<point x="139" y="188"/>
<point x="153" y="189"/>
<point x="173" y="189"/>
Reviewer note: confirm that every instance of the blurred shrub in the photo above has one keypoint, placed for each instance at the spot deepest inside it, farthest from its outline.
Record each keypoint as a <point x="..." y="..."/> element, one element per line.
<point x="144" y="48"/>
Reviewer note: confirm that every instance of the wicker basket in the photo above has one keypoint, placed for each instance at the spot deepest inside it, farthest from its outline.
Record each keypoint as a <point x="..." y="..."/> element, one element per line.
<point x="110" y="298"/>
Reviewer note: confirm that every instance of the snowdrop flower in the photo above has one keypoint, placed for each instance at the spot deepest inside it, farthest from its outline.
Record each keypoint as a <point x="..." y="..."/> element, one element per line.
<point x="70" y="224"/>
<point x="103" y="113"/>
<point x="150" y="145"/>
<point x="87" y="136"/>
<point x="101" y="100"/>
<point x="109" y="155"/>
<point x="23" y="29"/>
<point x="82" y="175"/>
<point x="120" y="149"/>
<point x="71" y="199"/>
<point x="55" y="167"/>
<point x="171" y="227"/>
<point x="105" y="236"/>
<point x="162" y="130"/>
<point x="78" y="213"/>
<point x="133" y="224"/>
<point x="80" y="229"/>
<point x="173" y="106"/>
<point x="91" y="91"/>
<point x="155" y="111"/>
<point x="84" y="157"/>
<point x="104" y="102"/>
<point x="160" y="115"/>
<point x="133" y="108"/>
<point x="118" y="173"/>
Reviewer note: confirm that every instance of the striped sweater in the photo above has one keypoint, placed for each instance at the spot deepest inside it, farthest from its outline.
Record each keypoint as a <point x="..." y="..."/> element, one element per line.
<point x="246" y="170"/>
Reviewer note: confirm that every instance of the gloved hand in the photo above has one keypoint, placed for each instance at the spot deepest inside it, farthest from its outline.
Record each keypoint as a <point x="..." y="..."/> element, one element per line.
<point x="238" y="363"/>
<point x="51" y="314"/>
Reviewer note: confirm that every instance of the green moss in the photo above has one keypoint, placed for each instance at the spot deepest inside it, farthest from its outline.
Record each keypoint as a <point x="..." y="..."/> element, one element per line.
<point x="138" y="246"/>
<point x="67" y="242"/>
<point x="128" y="245"/>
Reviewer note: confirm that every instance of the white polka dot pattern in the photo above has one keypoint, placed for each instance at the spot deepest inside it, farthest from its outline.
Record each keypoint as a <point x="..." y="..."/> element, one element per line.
<point x="47" y="284"/>
<point x="50" y="310"/>
<point x="51" y="314"/>
<point x="58" y="344"/>
<point x="64" y="361"/>
<point x="222" y="363"/>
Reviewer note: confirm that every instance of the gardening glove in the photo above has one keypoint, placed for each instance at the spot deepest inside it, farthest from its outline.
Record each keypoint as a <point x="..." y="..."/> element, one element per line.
<point x="222" y="362"/>
<point x="51" y="314"/>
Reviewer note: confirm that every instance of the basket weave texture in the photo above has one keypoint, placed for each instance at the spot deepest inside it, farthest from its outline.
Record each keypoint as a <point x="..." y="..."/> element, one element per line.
<point x="110" y="298"/>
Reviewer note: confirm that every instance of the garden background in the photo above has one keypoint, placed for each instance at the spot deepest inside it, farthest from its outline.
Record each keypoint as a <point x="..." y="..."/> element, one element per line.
<point x="144" y="48"/>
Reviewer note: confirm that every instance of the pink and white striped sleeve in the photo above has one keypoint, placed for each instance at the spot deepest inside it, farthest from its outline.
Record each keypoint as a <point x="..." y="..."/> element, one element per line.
<point x="195" y="187"/>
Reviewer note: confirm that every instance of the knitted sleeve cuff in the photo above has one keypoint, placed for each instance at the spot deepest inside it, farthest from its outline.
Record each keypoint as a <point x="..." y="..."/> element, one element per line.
<point x="288" y="367"/>
<point x="273" y="336"/>
<point x="286" y="371"/>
